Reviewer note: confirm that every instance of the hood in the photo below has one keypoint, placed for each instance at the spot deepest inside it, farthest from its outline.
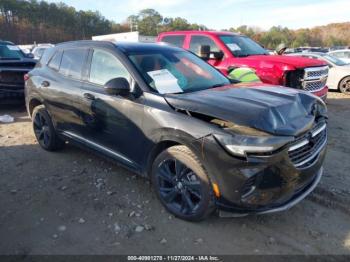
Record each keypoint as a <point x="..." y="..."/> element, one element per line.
<point x="20" y="63"/>
<point x="276" y="110"/>
<point x="297" y="62"/>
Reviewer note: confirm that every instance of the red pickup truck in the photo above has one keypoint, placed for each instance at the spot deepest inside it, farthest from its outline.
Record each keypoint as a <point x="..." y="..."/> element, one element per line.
<point x="226" y="51"/>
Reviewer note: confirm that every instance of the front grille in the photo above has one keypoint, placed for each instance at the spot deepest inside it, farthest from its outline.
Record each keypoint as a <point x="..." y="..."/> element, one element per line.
<point x="315" y="78"/>
<point x="305" y="150"/>
<point x="314" y="85"/>
<point x="317" y="73"/>
<point x="12" y="77"/>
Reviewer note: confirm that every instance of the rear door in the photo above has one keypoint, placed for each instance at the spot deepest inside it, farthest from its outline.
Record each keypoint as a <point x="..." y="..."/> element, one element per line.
<point x="109" y="123"/>
<point x="62" y="82"/>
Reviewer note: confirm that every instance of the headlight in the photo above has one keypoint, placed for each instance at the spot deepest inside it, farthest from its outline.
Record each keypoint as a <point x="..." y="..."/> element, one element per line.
<point x="243" y="150"/>
<point x="240" y="145"/>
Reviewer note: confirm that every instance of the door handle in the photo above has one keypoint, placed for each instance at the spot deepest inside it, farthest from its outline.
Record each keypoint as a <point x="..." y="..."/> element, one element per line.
<point x="89" y="96"/>
<point x="45" y="83"/>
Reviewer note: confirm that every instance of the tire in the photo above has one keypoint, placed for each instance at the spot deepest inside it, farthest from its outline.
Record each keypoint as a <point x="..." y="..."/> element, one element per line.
<point x="44" y="131"/>
<point x="182" y="184"/>
<point x="344" y="85"/>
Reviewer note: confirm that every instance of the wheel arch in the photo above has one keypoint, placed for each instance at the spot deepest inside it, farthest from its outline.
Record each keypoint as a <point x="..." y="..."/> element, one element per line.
<point x="33" y="103"/>
<point x="165" y="141"/>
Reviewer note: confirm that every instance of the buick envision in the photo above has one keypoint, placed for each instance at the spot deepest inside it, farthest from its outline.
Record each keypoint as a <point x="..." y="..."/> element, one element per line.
<point x="164" y="113"/>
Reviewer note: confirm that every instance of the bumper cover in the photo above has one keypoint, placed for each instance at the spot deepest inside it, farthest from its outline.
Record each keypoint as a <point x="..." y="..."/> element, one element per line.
<point x="287" y="205"/>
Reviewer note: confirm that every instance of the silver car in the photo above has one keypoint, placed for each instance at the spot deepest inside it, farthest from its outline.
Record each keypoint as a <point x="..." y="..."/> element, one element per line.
<point x="339" y="71"/>
<point x="343" y="54"/>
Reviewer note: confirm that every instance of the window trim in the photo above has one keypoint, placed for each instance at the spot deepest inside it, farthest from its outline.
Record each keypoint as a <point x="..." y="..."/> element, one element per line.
<point x="48" y="63"/>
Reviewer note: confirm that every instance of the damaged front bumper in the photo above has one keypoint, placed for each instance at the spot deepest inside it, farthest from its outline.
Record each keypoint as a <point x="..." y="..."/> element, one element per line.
<point x="262" y="183"/>
<point x="292" y="202"/>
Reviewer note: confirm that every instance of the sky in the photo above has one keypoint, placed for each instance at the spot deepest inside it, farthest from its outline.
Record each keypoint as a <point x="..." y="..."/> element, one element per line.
<point x="223" y="14"/>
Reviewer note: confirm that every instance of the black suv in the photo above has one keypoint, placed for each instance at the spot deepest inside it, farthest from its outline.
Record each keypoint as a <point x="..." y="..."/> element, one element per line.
<point x="164" y="113"/>
<point x="14" y="64"/>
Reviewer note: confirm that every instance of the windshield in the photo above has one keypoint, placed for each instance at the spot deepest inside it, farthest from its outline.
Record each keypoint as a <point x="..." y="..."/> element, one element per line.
<point x="333" y="60"/>
<point x="241" y="46"/>
<point x="10" y="52"/>
<point x="167" y="71"/>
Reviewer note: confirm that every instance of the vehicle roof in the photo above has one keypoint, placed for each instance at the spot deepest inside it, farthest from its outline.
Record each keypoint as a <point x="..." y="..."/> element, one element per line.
<point x="199" y="32"/>
<point x="123" y="46"/>
<point x="2" y="42"/>
<point x="339" y="50"/>
<point x="309" y="53"/>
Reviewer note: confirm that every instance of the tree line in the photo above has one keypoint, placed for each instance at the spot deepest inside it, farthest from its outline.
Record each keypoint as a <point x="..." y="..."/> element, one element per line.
<point x="25" y="22"/>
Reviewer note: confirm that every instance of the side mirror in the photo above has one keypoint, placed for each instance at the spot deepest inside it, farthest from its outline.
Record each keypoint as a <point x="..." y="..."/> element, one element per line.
<point x="204" y="52"/>
<point x="117" y="86"/>
<point x="30" y="55"/>
<point x="218" y="55"/>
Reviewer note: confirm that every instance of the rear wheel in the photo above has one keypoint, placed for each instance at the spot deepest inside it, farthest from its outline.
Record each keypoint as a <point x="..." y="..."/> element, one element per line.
<point x="182" y="184"/>
<point x="344" y="85"/>
<point x="44" y="131"/>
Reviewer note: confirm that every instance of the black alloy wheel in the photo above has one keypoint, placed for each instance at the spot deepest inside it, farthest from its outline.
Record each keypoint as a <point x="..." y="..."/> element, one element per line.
<point x="44" y="131"/>
<point x="179" y="187"/>
<point x="182" y="184"/>
<point x="41" y="130"/>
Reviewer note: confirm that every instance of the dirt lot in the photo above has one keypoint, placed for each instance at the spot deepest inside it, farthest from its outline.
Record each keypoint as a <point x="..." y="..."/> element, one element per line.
<point x="74" y="202"/>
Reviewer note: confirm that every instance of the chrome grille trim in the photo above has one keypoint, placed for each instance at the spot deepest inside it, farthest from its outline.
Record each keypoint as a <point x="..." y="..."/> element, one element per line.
<point x="314" y="155"/>
<point x="296" y="146"/>
<point x="315" y="78"/>
<point x="304" y="151"/>
<point x="318" y="130"/>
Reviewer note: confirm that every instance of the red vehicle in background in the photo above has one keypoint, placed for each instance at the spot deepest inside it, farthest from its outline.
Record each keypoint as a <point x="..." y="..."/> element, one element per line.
<point x="227" y="51"/>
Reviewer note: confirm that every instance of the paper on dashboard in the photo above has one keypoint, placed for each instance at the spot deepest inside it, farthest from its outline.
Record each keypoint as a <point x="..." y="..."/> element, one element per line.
<point x="165" y="82"/>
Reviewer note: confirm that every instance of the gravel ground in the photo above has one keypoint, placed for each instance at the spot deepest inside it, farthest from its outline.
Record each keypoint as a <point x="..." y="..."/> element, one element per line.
<point x="74" y="202"/>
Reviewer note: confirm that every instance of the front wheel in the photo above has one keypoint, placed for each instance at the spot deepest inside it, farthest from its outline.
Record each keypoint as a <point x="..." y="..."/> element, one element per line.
<point x="182" y="184"/>
<point x="344" y="85"/>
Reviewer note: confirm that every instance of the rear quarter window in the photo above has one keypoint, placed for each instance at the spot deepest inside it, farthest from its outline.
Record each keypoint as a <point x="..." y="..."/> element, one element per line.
<point x="176" y="40"/>
<point x="55" y="61"/>
<point x="73" y="61"/>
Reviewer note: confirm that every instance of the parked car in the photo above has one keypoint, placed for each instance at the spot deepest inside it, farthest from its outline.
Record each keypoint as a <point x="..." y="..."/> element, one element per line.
<point x="339" y="71"/>
<point x="229" y="50"/>
<point x="39" y="50"/>
<point x="338" y="47"/>
<point x="343" y="55"/>
<point x="14" y="64"/>
<point x="168" y="115"/>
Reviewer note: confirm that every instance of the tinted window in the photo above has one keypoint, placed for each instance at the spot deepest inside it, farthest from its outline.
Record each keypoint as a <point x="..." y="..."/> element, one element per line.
<point x="242" y="46"/>
<point x="10" y="52"/>
<point x="56" y="61"/>
<point x="176" y="40"/>
<point x="104" y="67"/>
<point x="72" y="62"/>
<point x="198" y="40"/>
<point x="338" y="54"/>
